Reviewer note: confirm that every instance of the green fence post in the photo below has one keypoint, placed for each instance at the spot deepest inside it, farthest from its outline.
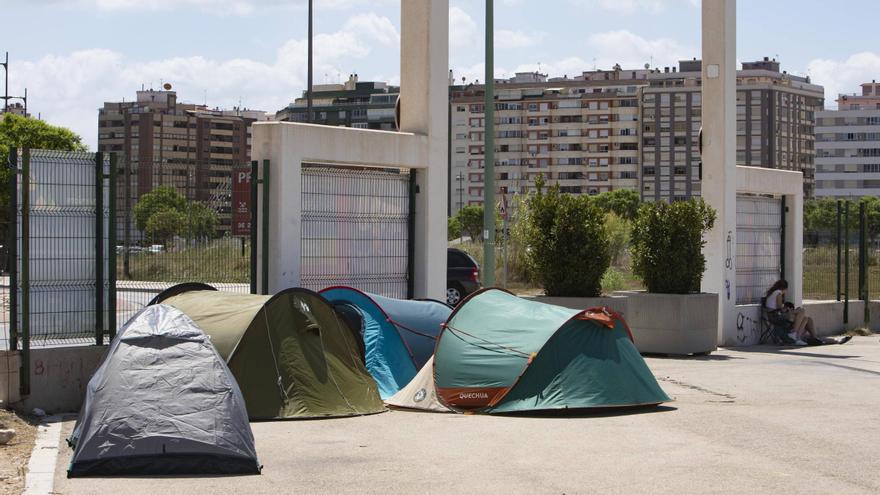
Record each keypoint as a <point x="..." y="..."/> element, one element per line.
<point x="863" y="259"/>
<point x="25" y="376"/>
<point x="846" y="263"/>
<point x="411" y="237"/>
<point x="111" y="245"/>
<point x="265" y="244"/>
<point x="839" y="215"/>
<point x="255" y="175"/>
<point x="99" y="248"/>
<point x="12" y="251"/>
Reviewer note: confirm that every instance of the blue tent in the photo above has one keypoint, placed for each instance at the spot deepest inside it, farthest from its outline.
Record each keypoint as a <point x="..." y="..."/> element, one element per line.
<point x="399" y="335"/>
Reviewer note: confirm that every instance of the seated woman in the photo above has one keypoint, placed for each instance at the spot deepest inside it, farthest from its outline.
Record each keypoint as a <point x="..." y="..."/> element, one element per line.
<point x="803" y="331"/>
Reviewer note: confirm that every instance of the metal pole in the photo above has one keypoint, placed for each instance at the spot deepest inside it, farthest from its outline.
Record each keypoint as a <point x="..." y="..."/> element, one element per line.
<point x="846" y="263"/>
<point x="489" y="140"/>
<point x="6" y="84"/>
<point x="309" y="89"/>
<point x="265" y="244"/>
<point x="255" y="174"/>
<point x="111" y="255"/>
<point x="839" y="215"/>
<point x="126" y="232"/>
<point x="12" y="253"/>
<point x="863" y="259"/>
<point x="410" y="238"/>
<point x="25" y="377"/>
<point x="449" y="151"/>
<point x="99" y="248"/>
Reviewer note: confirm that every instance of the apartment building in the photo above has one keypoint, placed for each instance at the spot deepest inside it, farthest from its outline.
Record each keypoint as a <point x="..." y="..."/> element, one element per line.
<point x="363" y="105"/>
<point x="776" y="114"/>
<point x="189" y="147"/>
<point x="580" y="132"/>
<point x="848" y="146"/>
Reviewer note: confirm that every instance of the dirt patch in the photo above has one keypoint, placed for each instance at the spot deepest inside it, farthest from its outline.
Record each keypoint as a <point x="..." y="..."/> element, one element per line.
<point x="15" y="455"/>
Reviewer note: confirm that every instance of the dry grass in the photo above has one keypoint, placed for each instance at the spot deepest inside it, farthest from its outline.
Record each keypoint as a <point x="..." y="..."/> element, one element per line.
<point x="859" y="332"/>
<point x="15" y="455"/>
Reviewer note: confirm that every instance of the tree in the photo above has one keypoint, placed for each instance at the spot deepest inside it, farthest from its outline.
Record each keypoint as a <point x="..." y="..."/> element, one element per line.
<point x="622" y="202"/>
<point x="160" y="198"/>
<point x="193" y="220"/>
<point x="471" y="220"/>
<point x="163" y="225"/>
<point x="24" y="132"/>
<point x="201" y="221"/>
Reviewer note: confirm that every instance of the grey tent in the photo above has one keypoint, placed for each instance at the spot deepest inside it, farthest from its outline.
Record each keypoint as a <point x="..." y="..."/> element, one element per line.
<point x="162" y="402"/>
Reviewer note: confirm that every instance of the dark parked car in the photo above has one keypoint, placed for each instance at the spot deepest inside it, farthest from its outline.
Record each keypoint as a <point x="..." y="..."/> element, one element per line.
<point x="462" y="275"/>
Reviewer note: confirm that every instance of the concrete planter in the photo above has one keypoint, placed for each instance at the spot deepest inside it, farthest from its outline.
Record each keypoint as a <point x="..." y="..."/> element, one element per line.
<point x="617" y="303"/>
<point x="679" y="324"/>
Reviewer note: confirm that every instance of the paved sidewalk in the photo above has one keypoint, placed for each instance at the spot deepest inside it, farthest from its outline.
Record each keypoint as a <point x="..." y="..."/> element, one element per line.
<point x="761" y="419"/>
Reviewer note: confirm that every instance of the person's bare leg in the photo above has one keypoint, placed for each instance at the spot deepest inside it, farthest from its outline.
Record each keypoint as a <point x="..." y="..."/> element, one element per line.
<point x="799" y="322"/>
<point x="810" y="328"/>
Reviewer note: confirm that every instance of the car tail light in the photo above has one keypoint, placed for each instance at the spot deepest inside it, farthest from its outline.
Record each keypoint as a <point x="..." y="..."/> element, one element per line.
<point x="475" y="275"/>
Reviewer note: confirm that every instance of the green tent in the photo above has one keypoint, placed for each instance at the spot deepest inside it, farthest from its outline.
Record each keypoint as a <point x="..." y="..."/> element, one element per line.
<point x="292" y="356"/>
<point x="499" y="353"/>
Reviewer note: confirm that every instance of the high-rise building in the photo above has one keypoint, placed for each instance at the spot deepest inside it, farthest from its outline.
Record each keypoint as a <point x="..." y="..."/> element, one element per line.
<point x="775" y="126"/>
<point x="189" y="147"/>
<point x="848" y="146"/>
<point x="363" y="105"/>
<point x="579" y="132"/>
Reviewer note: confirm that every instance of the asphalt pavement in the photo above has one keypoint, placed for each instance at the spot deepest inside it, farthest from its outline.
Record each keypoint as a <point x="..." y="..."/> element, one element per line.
<point x="747" y="420"/>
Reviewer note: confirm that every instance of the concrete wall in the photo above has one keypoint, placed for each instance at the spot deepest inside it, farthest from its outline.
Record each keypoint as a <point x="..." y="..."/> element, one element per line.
<point x="422" y="146"/>
<point x="827" y="317"/>
<point x="59" y="377"/>
<point x="10" y="365"/>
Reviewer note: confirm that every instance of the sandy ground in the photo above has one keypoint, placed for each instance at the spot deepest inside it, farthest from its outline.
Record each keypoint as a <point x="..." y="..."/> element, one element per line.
<point x="14" y="456"/>
<point x="754" y="420"/>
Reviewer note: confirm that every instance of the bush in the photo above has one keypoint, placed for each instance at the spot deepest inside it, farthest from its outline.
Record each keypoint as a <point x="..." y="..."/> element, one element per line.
<point x="668" y="245"/>
<point x="567" y="243"/>
<point x="453" y="228"/>
<point x="612" y="281"/>
<point x="619" y="231"/>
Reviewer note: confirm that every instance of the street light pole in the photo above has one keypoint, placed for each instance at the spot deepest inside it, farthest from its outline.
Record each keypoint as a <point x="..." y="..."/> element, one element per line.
<point x="489" y="153"/>
<point x="6" y="84"/>
<point x="309" y="90"/>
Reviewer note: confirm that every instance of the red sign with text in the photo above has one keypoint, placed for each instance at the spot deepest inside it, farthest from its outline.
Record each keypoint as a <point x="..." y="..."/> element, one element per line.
<point x="241" y="201"/>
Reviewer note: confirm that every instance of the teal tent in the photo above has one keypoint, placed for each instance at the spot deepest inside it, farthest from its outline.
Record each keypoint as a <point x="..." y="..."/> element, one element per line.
<point x="499" y="353"/>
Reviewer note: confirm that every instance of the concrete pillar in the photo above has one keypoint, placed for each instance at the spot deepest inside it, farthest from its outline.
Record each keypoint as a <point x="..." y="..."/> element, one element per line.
<point x="424" y="107"/>
<point x="794" y="246"/>
<point x="719" y="153"/>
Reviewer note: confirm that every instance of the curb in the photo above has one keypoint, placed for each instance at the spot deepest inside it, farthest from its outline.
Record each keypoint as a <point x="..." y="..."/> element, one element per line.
<point x="40" y="478"/>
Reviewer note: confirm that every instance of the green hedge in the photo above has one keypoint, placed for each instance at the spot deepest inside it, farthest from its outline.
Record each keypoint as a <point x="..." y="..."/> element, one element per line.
<point x="667" y="245"/>
<point x="568" y="250"/>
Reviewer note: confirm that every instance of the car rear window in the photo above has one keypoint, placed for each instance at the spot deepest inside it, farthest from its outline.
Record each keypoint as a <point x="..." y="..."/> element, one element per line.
<point x="454" y="259"/>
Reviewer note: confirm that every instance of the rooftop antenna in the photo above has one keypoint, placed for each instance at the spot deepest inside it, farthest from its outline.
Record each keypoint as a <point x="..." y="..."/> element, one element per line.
<point x="594" y="63"/>
<point x="206" y="97"/>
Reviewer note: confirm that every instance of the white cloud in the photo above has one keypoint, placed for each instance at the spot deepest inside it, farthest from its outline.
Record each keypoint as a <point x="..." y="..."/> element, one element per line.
<point x="636" y="6"/>
<point x="68" y="89"/>
<point x="633" y="51"/>
<point x="517" y="39"/>
<point x="844" y="76"/>
<point x="226" y="7"/>
<point x="463" y="31"/>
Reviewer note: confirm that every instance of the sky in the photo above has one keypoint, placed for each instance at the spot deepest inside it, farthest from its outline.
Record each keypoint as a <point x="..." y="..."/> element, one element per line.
<point x="73" y="55"/>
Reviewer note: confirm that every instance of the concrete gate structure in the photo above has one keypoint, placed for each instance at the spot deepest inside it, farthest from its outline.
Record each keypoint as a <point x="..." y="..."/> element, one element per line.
<point x="420" y="147"/>
<point x="723" y="180"/>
